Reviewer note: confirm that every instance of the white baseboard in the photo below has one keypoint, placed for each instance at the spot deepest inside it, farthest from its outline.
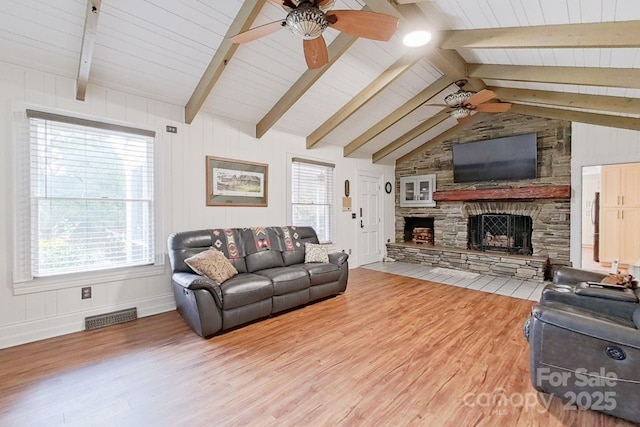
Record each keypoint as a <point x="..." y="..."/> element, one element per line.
<point x="49" y="327"/>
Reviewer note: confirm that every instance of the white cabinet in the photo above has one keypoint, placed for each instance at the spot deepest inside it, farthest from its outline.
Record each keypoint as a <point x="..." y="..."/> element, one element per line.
<point x="417" y="190"/>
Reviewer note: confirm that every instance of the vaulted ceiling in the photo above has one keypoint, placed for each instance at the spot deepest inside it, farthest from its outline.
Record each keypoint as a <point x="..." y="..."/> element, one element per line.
<point x="577" y="60"/>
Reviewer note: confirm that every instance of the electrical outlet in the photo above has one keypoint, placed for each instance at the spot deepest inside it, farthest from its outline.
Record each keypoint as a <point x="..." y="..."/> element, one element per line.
<point x="86" y="292"/>
<point x="172" y="129"/>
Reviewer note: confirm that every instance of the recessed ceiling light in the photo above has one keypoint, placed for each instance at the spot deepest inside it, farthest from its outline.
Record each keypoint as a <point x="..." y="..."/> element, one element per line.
<point x="417" y="38"/>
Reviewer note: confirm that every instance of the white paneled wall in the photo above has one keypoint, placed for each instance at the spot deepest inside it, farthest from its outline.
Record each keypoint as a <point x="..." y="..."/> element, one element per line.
<point x="595" y="145"/>
<point x="35" y="316"/>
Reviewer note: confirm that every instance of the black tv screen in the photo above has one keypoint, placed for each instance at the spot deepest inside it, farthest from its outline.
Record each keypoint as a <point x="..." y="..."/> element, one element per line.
<point x="510" y="158"/>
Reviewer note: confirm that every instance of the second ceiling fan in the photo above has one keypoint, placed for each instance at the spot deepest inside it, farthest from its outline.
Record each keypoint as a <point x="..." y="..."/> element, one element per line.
<point x="309" y="18"/>
<point x="464" y="102"/>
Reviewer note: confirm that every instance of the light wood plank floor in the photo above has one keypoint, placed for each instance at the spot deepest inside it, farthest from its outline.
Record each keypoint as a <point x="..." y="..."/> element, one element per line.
<point x="391" y="351"/>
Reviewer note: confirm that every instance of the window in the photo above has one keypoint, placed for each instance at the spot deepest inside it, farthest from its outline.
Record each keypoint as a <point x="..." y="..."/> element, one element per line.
<point x="88" y="201"/>
<point x="312" y="196"/>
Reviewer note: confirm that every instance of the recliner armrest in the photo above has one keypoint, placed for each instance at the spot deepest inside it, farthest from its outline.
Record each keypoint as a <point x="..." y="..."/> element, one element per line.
<point x="587" y="323"/>
<point x="338" y="258"/>
<point x="570" y="275"/>
<point x="195" y="281"/>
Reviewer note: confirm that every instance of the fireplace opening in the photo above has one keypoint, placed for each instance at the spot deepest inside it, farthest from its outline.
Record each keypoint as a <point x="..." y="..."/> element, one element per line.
<point x="500" y="232"/>
<point x="418" y="230"/>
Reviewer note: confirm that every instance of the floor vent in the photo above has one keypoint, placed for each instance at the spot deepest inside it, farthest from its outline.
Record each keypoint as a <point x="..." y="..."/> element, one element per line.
<point x="108" y="319"/>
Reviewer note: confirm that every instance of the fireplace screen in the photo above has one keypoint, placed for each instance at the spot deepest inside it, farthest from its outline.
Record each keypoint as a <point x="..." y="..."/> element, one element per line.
<point x="500" y="232"/>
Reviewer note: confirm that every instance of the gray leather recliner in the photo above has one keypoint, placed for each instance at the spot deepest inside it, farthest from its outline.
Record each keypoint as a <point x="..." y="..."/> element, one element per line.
<point x="585" y="344"/>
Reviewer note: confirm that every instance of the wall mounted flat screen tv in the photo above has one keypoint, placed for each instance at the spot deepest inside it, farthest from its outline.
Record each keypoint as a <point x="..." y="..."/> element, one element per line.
<point x="510" y="158"/>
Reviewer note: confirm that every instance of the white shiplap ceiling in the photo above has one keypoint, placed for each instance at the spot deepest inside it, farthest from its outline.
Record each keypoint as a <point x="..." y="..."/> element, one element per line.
<point x="161" y="48"/>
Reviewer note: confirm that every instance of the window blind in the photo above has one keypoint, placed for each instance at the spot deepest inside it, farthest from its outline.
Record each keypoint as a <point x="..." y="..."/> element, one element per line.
<point x="312" y="196"/>
<point x="91" y="195"/>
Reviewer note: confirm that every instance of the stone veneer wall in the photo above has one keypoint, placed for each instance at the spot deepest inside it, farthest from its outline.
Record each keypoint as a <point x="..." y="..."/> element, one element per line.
<point x="490" y="262"/>
<point x="551" y="218"/>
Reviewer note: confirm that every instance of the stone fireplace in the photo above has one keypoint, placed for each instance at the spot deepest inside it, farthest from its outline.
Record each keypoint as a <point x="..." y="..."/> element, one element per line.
<point x="544" y="201"/>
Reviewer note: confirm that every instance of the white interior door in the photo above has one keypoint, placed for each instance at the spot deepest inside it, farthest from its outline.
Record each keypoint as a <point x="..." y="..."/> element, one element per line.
<point x="369" y="218"/>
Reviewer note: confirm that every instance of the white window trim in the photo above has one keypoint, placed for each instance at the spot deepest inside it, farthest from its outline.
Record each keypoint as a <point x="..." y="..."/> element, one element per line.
<point x="22" y="286"/>
<point x="290" y="157"/>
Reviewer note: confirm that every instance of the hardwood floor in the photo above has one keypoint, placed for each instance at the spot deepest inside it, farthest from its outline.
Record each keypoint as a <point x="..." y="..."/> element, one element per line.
<point x="391" y="351"/>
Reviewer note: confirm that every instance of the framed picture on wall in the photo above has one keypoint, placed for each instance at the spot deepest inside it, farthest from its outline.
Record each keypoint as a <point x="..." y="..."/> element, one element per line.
<point x="236" y="182"/>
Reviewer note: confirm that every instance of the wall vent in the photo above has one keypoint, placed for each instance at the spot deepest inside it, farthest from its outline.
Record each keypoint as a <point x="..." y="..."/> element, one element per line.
<point x="108" y="319"/>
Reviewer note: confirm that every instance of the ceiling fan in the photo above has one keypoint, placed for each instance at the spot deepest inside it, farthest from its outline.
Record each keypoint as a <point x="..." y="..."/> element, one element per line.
<point x="309" y="18"/>
<point x="464" y="102"/>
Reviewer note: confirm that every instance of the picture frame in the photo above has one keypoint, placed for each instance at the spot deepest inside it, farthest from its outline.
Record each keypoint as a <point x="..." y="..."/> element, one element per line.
<point x="236" y="182"/>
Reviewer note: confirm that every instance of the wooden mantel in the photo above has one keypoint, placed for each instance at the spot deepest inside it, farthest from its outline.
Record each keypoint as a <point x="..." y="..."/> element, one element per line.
<point x="531" y="192"/>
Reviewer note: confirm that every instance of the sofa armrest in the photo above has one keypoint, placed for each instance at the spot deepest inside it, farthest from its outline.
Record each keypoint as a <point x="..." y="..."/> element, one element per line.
<point x="616" y="294"/>
<point x="195" y="281"/>
<point x="587" y="323"/>
<point x="338" y="258"/>
<point x="570" y="275"/>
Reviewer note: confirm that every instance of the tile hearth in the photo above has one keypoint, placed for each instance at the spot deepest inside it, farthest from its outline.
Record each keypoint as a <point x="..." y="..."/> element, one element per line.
<point x="513" y="287"/>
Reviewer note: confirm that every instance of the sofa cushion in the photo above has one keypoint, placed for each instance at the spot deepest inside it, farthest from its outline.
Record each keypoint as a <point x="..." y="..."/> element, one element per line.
<point x="244" y="289"/>
<point x="263" y="260"/>
<point x="291" y="245"/>
<point x="293" y="257"/>
<point x="320" y="273"/>
<point x="239" y="264"/>
<point x="213" y="264"/>
<point x="315" y="253"/>
<point x="287" y="279"/>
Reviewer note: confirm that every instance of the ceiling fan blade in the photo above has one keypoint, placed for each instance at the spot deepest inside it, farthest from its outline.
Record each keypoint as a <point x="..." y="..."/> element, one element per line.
<point x="362" y="23"/>
<point x="435" y="105"/>
<point x="324" y="3"/>
<point x="257" y="32"/>
<point x="464" y="119"/>
<point x="480" y="97"/>
<point x="494" y="107"/>
<point x="316" y="53"/>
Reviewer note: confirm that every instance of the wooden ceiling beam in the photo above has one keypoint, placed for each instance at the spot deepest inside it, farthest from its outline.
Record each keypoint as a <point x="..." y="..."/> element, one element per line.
<point x="243" y="21"/>
<point x="400" y="142"/>
<point x="374" y="88"/>
<point x="615" y="104"/>
<point x="589" y="76"/>
<point x="592" y="35"/>
<point x="407" y="108"/>
<point x="449" y="62"/>
<point x="578" y="116"/>
<point x="337" y="48"/>
<point x="88" y="42"/>
<point x="447" y="134"/>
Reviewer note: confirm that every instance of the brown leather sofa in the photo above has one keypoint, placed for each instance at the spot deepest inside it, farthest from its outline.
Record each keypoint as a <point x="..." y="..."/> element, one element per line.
<point x="585" y="344"/>
<point x="273" y="276"/>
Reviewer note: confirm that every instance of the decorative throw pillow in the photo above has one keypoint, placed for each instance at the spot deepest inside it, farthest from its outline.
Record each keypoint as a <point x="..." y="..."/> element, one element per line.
<point x="213" y="264"/>
<point x="315" y="253"/>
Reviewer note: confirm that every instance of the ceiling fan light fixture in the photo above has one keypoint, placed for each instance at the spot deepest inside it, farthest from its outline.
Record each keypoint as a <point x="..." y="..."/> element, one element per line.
<point x="416" y="38"/>
<point x="458" y="98"/>
<point x="307" y="22"/>
<point x="460" y="113"/>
